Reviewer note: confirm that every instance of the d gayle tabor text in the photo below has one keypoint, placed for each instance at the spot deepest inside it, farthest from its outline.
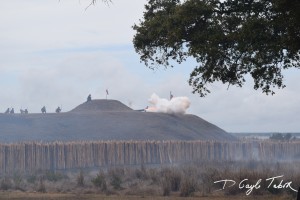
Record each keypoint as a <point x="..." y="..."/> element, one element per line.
<point x="275" y="182"/>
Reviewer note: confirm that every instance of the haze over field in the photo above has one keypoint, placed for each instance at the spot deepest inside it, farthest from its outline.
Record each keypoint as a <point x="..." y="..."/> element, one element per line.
<point x="55" y="53"/>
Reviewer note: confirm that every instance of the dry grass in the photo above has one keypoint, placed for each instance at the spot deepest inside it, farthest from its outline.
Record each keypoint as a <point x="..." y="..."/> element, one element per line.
<point x="193" y="180"/>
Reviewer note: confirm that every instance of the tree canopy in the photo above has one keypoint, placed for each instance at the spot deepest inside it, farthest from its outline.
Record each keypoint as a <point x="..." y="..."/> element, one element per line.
<point x="228" y="39"/>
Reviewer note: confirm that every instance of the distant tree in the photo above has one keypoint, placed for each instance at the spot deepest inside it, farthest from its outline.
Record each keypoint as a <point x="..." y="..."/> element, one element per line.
<point x="280" y="136"/>
<point x="277" y="136"/>
<point x="288" y="136"/>
<point x="228" y="39"/>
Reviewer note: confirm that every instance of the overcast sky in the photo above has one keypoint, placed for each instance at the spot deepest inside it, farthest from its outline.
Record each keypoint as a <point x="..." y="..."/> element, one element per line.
<point x="55" y="53"/>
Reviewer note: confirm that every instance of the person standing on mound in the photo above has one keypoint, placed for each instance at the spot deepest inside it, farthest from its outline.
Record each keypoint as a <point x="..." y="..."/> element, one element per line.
<point x="43" y="109"/>
<point x="89" y="98"/>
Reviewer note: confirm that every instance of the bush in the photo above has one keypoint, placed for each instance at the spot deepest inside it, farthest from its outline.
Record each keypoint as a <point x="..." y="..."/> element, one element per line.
<point x="175" y="181"/>
<point x="31" y="178"/>
<point x="53" y="176"/>
<point x="141" y="173"/>
<point x="17" y="178"/>
<point x="116" y="181"/>
<point x="210" y="173"/>
<point x="80" y="179"/>
<point x="41" y="188"/>
<point x="100" y="182"/>
<point x="173" y="178"/>
<point x="154" y="176"/>
<point x="6" y="184"/>
<point x="116" y="175"/>
<point x="166" y="187"/>
<point x="273" y="190"/>
<point x="188" y="187"/>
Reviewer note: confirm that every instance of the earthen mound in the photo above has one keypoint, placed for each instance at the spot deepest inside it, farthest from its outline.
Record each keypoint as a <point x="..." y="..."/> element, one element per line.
<point x="107" y="120"/>
<point x="101" y="105"/>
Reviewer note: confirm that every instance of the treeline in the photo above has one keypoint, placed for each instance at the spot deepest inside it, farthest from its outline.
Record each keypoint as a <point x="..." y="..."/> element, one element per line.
<point x="283" y="137"/>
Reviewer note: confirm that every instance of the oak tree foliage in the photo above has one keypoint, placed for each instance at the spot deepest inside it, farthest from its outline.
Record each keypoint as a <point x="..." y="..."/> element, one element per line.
<point x="228" y="39"/>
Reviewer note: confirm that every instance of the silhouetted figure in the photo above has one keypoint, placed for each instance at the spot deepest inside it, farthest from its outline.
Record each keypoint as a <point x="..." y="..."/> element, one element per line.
<point x="89" y="98"/>
<point x="12" y="111"/>
<point x="298" y="196"/>
<point x="22" y="111"/>
<point x="58" y="109"/>
<point x="26" y="111"/>
<point x="7" y="111"/>
<point x="43" y="109"/>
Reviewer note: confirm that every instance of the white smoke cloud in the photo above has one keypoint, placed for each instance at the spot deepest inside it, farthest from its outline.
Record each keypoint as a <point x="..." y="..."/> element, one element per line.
<point x="177" y="105"/>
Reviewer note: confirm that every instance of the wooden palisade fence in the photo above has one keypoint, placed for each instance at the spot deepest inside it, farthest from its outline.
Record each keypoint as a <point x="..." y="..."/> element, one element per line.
<point x="32" y="156"/>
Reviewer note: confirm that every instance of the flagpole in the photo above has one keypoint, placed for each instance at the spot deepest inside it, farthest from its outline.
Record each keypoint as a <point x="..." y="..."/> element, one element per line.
<point x="106" y="93"/>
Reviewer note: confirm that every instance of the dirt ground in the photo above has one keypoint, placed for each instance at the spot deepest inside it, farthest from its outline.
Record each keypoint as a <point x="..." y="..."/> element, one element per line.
<point x="52" y="196"/>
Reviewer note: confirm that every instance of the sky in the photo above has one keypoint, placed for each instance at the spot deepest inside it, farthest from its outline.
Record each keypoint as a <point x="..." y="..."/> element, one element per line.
<point x="56" y="53"/>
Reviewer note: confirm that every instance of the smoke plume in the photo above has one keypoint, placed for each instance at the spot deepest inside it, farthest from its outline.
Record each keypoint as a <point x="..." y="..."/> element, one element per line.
<point x="177" y="105"/>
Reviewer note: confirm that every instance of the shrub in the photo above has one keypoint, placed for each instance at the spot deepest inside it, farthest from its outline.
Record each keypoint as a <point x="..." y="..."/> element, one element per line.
<point x="274" y="190"/>
<point x="166" y="187"/>
<point x="53" y="176"/>
<point x="80" y="179"/>
<point x="154" y="176"/>
<point x="213" y="174"/>
<point x="116" y="175"/>
<point x="175" y="181"/>
<point x="188" y="187"/>
<point x="41" y="187"/>
<point x="116" y="181"/>
<point x="5" y="184"/>
<point x="172" y="177"/>
<point x="295" y="185"/>
<point x="141" y="173"/>
<point x="31" y="178"/>
<point x="99" y="181"/>
<point x="17" y="178"/>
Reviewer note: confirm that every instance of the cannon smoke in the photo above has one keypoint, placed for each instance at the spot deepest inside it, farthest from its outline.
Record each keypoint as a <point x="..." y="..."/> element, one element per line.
<point x="177" y="105"/>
